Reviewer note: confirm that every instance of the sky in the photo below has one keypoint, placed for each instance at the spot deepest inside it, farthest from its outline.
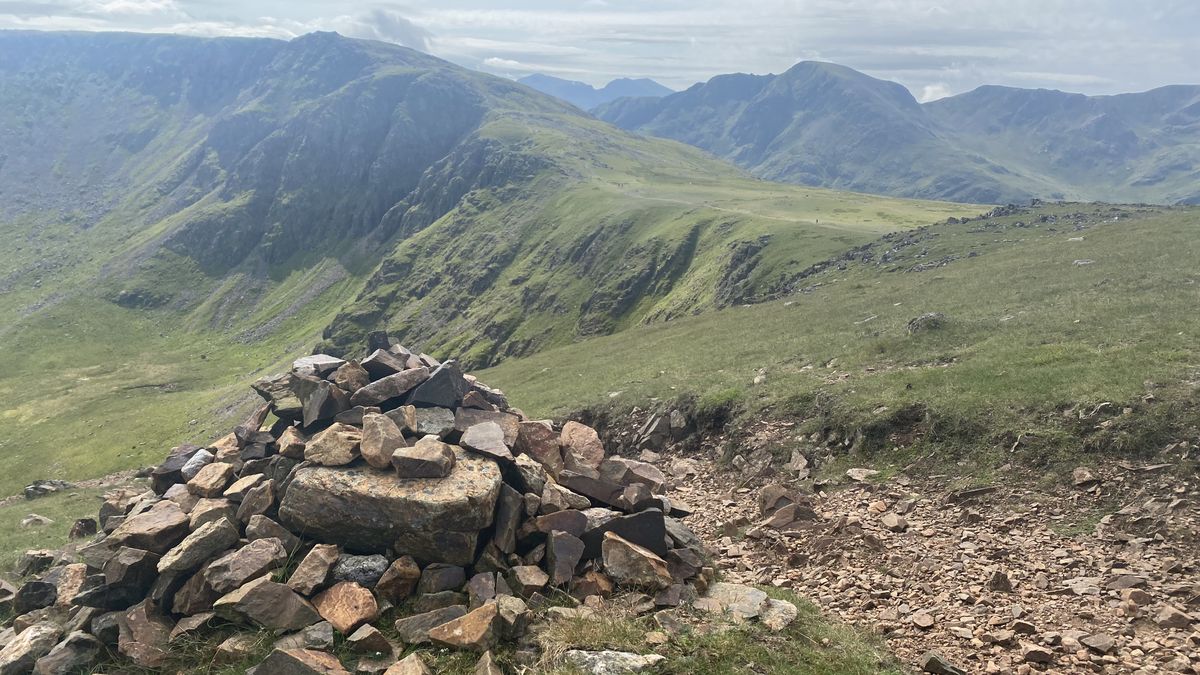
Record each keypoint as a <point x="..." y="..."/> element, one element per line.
<point x="935" y="48"/>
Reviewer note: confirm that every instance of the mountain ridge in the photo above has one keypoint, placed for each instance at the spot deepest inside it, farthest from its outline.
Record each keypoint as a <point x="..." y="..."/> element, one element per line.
<point x="586" y="97"/>
<point x="828" y="125"/>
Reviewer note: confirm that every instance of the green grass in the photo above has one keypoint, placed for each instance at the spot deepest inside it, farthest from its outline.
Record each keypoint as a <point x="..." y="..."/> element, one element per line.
<point x="1029" y="335"/>
<point x="64" y="508"/>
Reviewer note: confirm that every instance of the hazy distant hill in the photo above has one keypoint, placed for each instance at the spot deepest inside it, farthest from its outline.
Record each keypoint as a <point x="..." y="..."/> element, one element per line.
<point x="828" y="125"/>
<point x="585" y="96"/>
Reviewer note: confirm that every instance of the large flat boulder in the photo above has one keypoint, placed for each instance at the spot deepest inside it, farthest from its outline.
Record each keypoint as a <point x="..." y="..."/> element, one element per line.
<point x="368" y="511"/>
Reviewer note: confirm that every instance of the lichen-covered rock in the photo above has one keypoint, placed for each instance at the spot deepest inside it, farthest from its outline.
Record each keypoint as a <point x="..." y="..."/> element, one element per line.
<point x="437" y="520"/>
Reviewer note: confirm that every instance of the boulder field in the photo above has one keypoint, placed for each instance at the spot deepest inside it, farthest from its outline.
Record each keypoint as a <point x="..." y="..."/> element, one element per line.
<point x="395" y="483"/>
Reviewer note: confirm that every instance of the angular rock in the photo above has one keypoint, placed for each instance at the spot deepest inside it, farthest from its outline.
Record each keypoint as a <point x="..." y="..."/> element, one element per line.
<point x="486" y="665"/>
<point x="508" y="518"/>
<point x="236" y="648"/>
<point x="317" y="364"/>
<point x="581" y="446"/>
<point x="632" y="472"/>
<point x="365" y="570"/>
<point x="268" y="604"/>
<point x="932" y="662"/>
<point x="279" y="392"/>
<point x="262" y="527"/>
<point x="336" y="446"/>
<point x="611" y="662"/>
<point x="317" y="636"/>
<point x="389" y="387"/>
<point x="436" y="520"/>
<point x="478" y="630"/>
<point x="368" y="640"/>
<point x="242" y="486"/>
<point x="400" y="579"/>
<point x="192" y="467"/>
<point x="427" y="458"/>
<point x="249" y="562"/>
<point x="351" y="376"/>
<point x="409" y="665"/>
<point x="380" y="439"/>
<point x="190" y="625"/>
<point x="78" y="653"/>
<point x="1033" y="653"/>
<point x="260" y="500"/>
<point x="569" y="521"/>
<point x="291" y="443"/>
<point x="346" y="605"/>
<point x="196" y="548"/>
<point x="19" y="656"/>
<point x="894" y="522"/>
<point x="778" y="614"/>
<point x="34" y="595"/>
<point x="439" y="577"/>
<point x="156" y="530"/>
<point x="1173" y="617"/>
<point x="382" y="363"/>
<point x="527" y="579"/>
<point x="510" y="425"/>
<point x="480" y="589"/>
<point x="208" y="510"/>
<point x="299" y="662"/>
<point x="170" y="471"/>
<point x="444" y="388"/>
<point x="315" y="569"/>
<point x="144" y="634"/>
<point x="647" y="529"/>
<point x="487" y="438"/>
<point x="322" y="400"/>
<point x="431" y="421"/>
<point x="736" y="600"/>
<point x="405" y="418"/>
<point x="415" y="629"/>
<point x="539" y="441"/>
<point x="563" y="553"/>
<point x="195" y="596"/>
<point x="632" y="565"/>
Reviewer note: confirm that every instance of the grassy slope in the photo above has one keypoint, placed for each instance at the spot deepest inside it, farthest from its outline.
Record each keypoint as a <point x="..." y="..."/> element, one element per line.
<point x="1029" y="333"/>
<point x="100" y="388"/>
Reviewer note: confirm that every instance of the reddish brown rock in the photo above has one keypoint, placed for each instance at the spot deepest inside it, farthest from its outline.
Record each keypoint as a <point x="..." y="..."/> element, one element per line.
<point x="400" y="579"/>
<point x="538" y="440"/>
<point x="313" y="571"/>
<point x="144" y="634"/>
<point x="427" y="458"/>
<point x="156" y="530"/>
<point x="249" y="562"/>
<point x="380" y="440"/>
<point x="634" y="566"/>
<point x="477" y="631"/>
<point x="268" y="604"/>
<point x="291" y="443"/>
<point x="299" y="662"/>
<point x="211" y="480"/>
<point x="347" y="606"/>
<point x="581" y="446"/>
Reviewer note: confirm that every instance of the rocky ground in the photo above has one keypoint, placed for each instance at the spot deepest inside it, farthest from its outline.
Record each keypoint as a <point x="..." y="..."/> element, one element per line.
<point x="1100" y="574"/>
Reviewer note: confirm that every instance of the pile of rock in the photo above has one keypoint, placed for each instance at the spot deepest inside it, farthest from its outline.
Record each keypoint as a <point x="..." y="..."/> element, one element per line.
<point x="391" y="483"/>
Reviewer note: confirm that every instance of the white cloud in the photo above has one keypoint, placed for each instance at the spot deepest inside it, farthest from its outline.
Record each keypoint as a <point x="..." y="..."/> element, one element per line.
<point x="934" y="47"/>
<point x="932" y="92"/>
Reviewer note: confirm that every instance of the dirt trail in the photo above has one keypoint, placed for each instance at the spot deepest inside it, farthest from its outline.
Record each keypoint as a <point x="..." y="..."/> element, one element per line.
<point x="1099" y="577"/>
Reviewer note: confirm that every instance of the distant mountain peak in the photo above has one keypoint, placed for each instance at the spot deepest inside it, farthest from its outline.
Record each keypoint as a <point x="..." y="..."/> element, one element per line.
<point x="586" y="97"/>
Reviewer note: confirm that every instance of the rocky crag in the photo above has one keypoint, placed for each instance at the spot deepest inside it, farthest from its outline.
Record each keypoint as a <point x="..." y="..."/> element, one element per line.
<point x="394" y="486"/>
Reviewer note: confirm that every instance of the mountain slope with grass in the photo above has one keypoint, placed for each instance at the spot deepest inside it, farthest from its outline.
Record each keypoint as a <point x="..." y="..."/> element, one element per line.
<point x="824" y="124"/>
<point x="1065" y="330"/>
<point x="184" y="213"/>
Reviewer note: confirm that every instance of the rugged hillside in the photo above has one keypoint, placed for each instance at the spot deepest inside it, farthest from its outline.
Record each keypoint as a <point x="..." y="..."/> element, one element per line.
<point x="183" y="210"/>
<point x="585" y="97"/>
<point x="827" y="125"/>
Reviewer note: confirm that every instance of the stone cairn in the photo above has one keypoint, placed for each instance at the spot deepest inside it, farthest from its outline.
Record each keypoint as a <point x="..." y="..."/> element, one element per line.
<point x="392" y="484"/>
